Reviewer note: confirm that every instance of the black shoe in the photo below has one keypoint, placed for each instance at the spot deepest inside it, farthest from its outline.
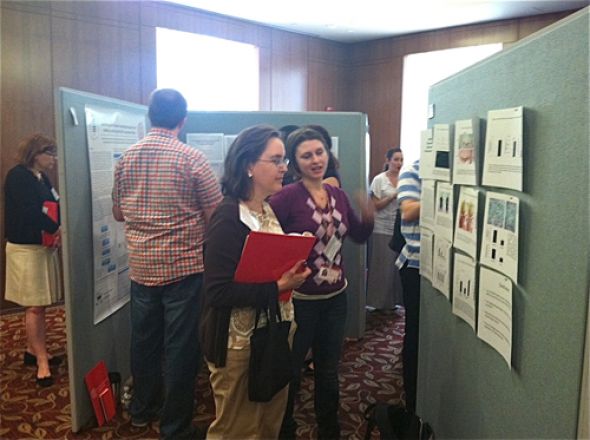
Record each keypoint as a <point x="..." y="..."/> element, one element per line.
<point x="30" y="360"/>
<point x="45" y="382"/>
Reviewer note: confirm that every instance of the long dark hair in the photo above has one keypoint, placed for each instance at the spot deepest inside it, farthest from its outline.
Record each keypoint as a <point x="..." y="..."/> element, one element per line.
<point x="243" y="152"/>
<point x="389" y="154"/>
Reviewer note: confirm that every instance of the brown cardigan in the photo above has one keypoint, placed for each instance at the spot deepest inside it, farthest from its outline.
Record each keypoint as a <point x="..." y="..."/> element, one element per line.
<point x="224" y="241"/>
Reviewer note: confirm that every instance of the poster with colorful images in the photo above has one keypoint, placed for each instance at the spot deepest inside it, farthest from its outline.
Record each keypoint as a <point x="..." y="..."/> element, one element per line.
<point x="494" y="317"/>
<point x="465" y="152"/>
<point x="441" y="266"/>
<point x="426" y="244"/>
<point x="466" y="221"/>
<point x="443" y="207"/>
<point x="464" y="288"/>
<point x="499" y="248"/>
<point x="503" y="149"/>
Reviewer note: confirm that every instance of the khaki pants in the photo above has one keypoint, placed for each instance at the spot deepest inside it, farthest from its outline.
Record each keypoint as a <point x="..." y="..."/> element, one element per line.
<point x="236" y="416"/>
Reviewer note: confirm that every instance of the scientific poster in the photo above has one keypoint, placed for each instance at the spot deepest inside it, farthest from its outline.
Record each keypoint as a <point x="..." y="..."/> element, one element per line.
<point x="499" y="248"/>
<point x="464" y="289"/>
<point x="465" y="155"/>
<point x="441" y="266"/>
<point x="427" y="204"/>
<point x="426" y="245"/>
<point x="435" y="153"/>
<point x="443" y="206"/>
<point x="466" y="221"/>
<point x="503" y="149"/>
<point x="427" y="155"/>
<point x="109" y="134"/>
<point x="210" y="144"/>
<point x="213" y="146"/>
<point x="494" y="320"/>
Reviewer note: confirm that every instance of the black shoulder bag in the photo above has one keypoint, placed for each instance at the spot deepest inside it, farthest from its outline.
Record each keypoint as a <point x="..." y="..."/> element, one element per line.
<point x="394" y="422"/>
<point x="271" y="364"/>
<point x="397" y="241"/>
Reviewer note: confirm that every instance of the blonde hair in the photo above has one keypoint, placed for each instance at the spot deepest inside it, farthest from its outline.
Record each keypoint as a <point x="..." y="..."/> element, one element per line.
<point x="33" y="145"/>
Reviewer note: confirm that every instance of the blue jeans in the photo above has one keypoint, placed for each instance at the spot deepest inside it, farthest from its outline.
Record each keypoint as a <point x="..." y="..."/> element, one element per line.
<point x="165" y="353"/>
<point x="320" y="326"/>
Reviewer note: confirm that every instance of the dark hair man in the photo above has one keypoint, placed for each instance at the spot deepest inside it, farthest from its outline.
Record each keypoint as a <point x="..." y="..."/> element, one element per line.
<point x="165" y="192"/>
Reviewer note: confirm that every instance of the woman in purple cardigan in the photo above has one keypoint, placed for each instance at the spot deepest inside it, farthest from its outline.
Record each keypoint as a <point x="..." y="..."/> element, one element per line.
<point x="309" y="205"/>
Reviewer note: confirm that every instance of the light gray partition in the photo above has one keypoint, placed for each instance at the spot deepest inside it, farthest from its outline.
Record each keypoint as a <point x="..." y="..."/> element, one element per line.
<point x="465" y="388"/>
<point x="109" y="340"/>
<point x="87" y="343"/>
<point x="351" y="130"/>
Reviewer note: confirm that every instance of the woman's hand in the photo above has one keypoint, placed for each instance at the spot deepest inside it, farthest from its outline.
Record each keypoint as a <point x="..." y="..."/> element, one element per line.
<point x="294" y="277"/>
<point x="366" y="206"/>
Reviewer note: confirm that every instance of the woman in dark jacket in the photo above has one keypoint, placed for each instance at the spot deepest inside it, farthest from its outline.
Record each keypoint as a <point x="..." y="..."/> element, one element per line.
<point x="32" y="265"/>
<point x="254" y="169"/>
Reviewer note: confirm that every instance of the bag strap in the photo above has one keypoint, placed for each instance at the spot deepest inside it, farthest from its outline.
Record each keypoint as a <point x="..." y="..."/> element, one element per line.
<point x="272" y="311"/>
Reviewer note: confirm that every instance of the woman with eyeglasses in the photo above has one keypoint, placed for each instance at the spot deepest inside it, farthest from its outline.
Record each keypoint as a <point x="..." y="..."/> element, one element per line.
<point x="253" y="170"/>
<point x="310" y="205"/>
<point x="32" y="234"/>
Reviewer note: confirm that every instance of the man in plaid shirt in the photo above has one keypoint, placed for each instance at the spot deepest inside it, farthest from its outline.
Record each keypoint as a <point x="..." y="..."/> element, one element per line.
<point x="165" y="192"/>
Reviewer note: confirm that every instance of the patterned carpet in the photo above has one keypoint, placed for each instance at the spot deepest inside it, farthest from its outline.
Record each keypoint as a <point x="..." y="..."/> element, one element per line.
<point x="370" y="370"/>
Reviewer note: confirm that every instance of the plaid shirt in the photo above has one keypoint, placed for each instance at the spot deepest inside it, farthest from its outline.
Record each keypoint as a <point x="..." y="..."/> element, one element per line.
<point x="162" y="187"/>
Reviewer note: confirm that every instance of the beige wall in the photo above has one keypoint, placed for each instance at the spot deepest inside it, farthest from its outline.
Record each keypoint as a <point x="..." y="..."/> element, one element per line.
<point x="108" y="48"/>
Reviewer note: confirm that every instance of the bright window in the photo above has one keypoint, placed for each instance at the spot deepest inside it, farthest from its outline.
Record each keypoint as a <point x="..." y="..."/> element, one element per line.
<point x="213" y="74"/>
<point x="422" y="70"/>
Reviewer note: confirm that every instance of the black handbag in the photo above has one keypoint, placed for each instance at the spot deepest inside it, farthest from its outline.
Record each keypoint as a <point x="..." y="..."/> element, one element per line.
<point x="397" y="241"/>
<point x="395" y="422"/>
<point x="271" y="363"/>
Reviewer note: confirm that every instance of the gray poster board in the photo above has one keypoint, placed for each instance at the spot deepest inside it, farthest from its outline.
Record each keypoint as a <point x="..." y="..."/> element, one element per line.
<point x="109" y="340"/>
<point x="465" y="389"/>
<point x="86" y="343"/>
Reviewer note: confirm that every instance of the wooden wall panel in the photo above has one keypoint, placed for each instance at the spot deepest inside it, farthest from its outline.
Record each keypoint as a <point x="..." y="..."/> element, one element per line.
<point x="27" y="100"/>
<point x="289" y="66"/>
<point x="324" y="86"/>
<point x="124" y="12"/>
<point x="98" y="58"/>
<point x="375" y="88"/>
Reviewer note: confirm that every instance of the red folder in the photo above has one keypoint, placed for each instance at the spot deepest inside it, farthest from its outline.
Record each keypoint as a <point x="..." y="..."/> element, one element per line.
<point x="51" y="210"/>
<point x="266" y="256"/>
<point x="101" y="393"/>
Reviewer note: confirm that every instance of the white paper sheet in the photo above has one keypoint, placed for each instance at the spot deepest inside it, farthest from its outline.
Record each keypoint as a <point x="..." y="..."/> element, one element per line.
<point x="494" y="321"/>
<point x="499" y="249"/>
<point x="464" y="289"/>
<point x="427" y="204"/>
<point x="466" y="221"/>
<point x="210" y="144"/>
<point x="465" y="153"/>
<point x="441" y="266"/>
<point x="426" y="245"/>
<point x="427" y="155"/>
<point x="503" y="149"/>
<point x="443" y="206"/>
<point x="109" y="133"/>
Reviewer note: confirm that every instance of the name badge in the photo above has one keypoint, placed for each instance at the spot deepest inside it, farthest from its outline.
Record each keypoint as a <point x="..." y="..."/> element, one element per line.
<point x="332" y="248"/>
<point x="328" y="274"/>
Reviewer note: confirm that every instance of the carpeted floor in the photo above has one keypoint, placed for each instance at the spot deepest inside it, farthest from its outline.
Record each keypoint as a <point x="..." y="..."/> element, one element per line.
<point x="370" y="370"/>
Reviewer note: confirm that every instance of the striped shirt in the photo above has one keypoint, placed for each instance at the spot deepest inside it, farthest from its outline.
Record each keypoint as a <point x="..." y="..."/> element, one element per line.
<point x="409" y="187"/>
<point x="162" y="188"/>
